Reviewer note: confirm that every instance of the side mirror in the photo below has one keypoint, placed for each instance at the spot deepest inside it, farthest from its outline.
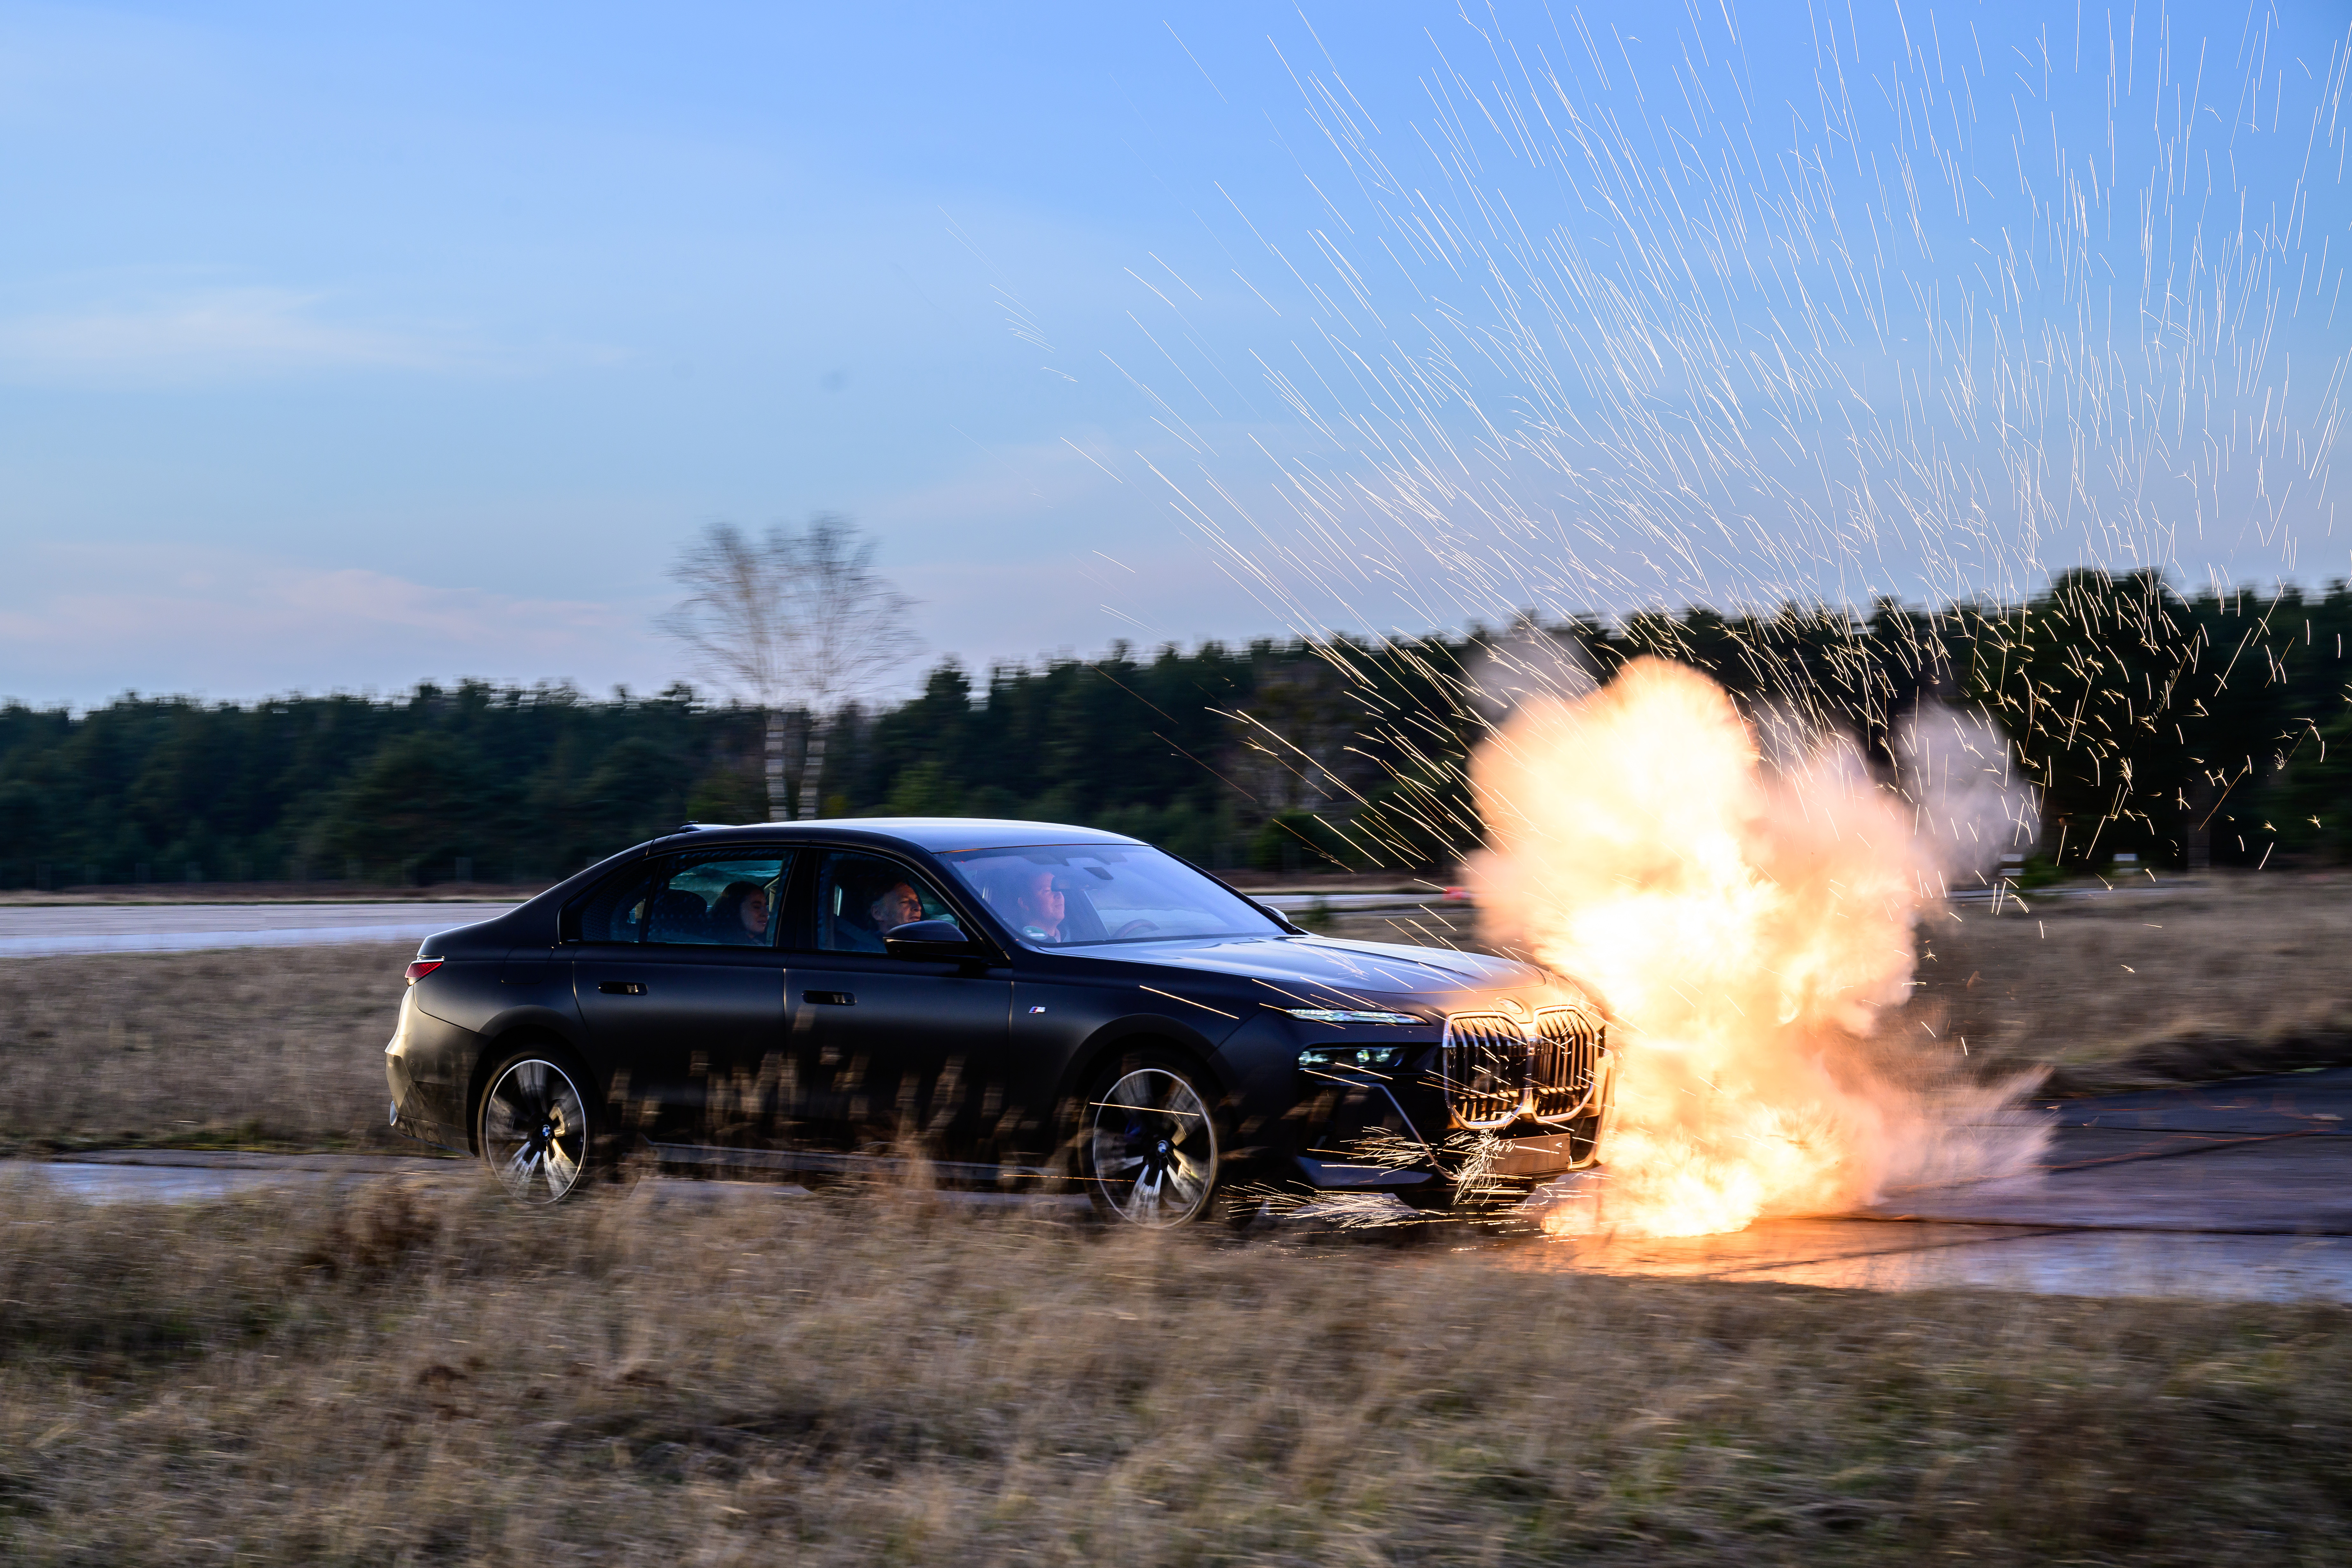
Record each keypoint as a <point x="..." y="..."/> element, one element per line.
<point x="1276" y="916"/>
<point x="936" y="941"/>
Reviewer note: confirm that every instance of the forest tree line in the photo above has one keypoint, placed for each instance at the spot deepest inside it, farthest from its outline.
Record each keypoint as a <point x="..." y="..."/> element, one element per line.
<point x="2173" y="729"/>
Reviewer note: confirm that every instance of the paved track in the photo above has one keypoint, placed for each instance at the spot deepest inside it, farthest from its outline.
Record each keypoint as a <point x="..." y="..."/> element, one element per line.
<point x="2241" y="1189"/>
<point x="46" y="931"/>
<point x="2234" y="1190"/>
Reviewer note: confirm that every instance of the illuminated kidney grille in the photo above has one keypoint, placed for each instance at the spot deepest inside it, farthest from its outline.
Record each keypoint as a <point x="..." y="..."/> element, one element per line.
<point x="1495" y="1073"/>
<point x="1484" y="1057"/>
<point x="1566" y="1059"/>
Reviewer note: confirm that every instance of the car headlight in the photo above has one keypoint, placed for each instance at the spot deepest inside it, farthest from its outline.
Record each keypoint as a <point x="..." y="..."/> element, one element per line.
<point x="1342" y="1015"/>
<point x="1353" y="1057"/>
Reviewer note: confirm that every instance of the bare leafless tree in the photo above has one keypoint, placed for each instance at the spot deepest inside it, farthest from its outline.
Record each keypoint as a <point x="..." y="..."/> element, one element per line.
<point x="794" y="619"/>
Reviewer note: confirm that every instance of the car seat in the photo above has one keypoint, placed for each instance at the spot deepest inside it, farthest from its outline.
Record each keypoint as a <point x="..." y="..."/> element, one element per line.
<point x="1081" y="922"/>
<point x="678" y="916"/>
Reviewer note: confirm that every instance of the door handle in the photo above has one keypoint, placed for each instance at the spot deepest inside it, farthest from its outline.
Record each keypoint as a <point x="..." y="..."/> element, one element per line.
<point x="622" y="987"/>
<point x="830" y="998"/>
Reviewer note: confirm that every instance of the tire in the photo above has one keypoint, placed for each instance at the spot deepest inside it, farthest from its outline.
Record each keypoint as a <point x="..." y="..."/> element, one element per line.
<point x="536" y="1126"/>
<point x="1148" y="1146"/>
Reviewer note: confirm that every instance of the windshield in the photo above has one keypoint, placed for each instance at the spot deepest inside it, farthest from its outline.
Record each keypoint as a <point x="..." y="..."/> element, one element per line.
<point x="1068" y="895"/>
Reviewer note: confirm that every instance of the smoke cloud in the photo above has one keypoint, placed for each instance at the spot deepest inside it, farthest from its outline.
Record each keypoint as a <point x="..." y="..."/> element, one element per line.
<point x="1750" y="922"/>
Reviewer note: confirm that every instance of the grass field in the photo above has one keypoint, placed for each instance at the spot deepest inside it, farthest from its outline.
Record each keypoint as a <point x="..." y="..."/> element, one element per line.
<point x="2242" y="974"/>
<point x="418" y="1373"/>
<point x="421" y="1375"/>
<point x="255" y="1047"/>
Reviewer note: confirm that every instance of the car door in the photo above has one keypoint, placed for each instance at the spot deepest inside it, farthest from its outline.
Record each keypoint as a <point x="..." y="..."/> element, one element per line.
<point x="680" y="982"/>
<point x="889" y="1052"/>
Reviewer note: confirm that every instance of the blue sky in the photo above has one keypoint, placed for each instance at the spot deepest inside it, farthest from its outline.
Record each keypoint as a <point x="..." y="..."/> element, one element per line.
<point x="343" y="347"/>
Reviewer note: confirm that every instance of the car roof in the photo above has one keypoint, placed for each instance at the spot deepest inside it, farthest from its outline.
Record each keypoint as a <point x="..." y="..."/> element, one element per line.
<point x="938" y="835"/>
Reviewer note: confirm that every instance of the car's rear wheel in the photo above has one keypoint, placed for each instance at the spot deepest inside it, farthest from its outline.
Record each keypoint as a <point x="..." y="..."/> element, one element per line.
<point x="534" y="1126"/>
<point x="1148" y="1144"/>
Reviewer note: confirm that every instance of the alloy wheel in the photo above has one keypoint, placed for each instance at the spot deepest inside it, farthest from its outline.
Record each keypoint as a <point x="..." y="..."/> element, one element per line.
<point x="1152" y="1148"/>
<point x="535" y="1132"/>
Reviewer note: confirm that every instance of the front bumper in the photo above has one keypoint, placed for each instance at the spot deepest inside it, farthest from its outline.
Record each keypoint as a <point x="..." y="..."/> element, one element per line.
<point x="1362" y="1130"/>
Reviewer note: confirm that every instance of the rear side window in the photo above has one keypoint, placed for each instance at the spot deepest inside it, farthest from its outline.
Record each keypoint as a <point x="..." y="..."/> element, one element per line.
<point x="616" y="910"/>
<point x="716" y="899"/>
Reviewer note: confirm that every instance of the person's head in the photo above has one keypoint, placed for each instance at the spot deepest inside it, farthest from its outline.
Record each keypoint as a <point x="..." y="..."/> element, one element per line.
<point x="749" y="900"/>
<point x="898" y="905"/>
<point x="1036" y="902"/>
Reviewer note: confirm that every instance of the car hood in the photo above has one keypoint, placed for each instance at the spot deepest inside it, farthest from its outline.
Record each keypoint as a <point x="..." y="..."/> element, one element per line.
<point x="1328" y="971"/>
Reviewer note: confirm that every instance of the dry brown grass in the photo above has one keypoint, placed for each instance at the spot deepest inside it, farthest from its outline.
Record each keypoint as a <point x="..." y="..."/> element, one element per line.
<point x="2242" y="974"/>
<point x="420" y="1375"/>
<point x="254" y="1048"/>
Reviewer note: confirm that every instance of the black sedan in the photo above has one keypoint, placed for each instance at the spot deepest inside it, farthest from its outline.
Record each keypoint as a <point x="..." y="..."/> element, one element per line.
<point x="1018" y="1004"/>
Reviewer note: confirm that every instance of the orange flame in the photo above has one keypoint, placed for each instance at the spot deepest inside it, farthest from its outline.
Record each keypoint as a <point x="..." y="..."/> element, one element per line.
<point x="1746" y="924"/>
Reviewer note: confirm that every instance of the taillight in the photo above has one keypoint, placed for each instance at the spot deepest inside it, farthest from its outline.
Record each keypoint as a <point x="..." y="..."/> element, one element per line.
<point x="421" y="968"/>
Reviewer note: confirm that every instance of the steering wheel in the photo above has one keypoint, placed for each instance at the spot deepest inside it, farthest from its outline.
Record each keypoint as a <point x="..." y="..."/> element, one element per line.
<point x="1135" y="927"/>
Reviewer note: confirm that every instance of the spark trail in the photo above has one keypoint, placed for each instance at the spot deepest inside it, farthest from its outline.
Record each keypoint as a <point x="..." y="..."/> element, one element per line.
<point x="1777" y="307"/>
<point x="1747" y="307"/>
<point x="1747" y="920"/>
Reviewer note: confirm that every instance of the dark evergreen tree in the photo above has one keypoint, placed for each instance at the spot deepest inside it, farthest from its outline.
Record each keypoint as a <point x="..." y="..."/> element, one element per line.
<point x="2173" y="727"/>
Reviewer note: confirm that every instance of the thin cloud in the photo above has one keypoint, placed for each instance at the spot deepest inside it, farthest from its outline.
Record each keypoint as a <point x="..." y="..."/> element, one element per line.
<point x="225" y="622"/>
<point x="230" y="334"/>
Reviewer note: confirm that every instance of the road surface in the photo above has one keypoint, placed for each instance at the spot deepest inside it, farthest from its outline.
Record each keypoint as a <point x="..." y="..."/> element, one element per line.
<point x="2241" y="1189"/>
<point x="52" y="929"/>
<point x="2237" y="1190"/>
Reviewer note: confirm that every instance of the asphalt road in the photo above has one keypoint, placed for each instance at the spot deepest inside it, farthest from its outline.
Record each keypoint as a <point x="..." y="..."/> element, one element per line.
<point x="2241" y="1189"/>
<point x="2234" y="1190"/>
<point x="48" y="930"/>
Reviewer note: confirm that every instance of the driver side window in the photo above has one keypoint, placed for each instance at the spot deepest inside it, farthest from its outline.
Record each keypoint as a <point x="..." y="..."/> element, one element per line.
<point x="860" y="898"/>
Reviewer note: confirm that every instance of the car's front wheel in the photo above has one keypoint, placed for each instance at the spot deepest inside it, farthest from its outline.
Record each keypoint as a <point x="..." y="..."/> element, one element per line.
<point x="1148" y="1147"/>
<point x="534" y="1126"/>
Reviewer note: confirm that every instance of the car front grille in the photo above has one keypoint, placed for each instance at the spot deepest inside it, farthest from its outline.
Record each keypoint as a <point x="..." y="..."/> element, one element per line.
<point x="1498" y="1069"/>
<point x="1483" y="1059"/>
<point x="1565" y="1062"/>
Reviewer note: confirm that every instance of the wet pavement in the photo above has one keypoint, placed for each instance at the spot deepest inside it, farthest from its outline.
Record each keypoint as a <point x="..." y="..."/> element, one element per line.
<point x="188" y="1175"/>
<point x="1871" y="1254"/>
<point x="51" y="930"/>
<point x="2249" y="1156"/>
<point x="2238" y="1190"/>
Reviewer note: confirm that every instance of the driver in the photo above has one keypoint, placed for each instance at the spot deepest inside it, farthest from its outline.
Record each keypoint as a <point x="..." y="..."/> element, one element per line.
<point x="894" y="906"/>
<point x="898" y="905"/>
<point x="1039" y="906"/>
